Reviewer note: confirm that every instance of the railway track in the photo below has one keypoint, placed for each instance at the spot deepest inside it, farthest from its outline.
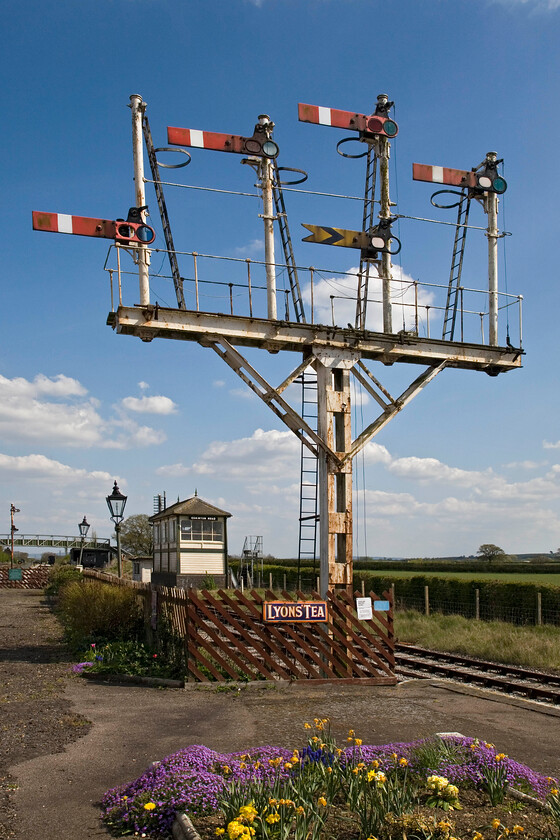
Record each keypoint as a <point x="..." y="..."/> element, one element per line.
<point x="415" y="662"/>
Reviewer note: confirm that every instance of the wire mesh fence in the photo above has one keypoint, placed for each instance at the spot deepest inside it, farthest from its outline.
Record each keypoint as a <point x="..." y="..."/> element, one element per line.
<point x="478" y="610"/>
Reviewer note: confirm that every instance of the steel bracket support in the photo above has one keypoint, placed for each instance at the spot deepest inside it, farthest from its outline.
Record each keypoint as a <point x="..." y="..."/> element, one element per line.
<point x="391" y="410"/>
<point x="271" y="396"/>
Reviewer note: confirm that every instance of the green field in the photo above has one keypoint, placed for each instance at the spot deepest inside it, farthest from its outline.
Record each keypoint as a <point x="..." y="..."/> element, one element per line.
<point x="505" y="577"/>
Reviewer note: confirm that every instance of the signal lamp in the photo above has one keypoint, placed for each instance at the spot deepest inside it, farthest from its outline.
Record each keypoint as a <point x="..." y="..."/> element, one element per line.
<point x="382" y="125"/>
<point x="135" y="233"/>
<point x="260" y="145"/>
<point x="490" y="181"/>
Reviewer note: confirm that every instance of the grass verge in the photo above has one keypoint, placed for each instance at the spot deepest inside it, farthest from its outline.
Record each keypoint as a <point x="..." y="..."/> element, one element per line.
<point x="531" y="647"/>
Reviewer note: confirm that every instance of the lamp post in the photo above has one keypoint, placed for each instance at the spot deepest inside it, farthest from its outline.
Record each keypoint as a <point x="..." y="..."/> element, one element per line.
<point x="116" y="503"/>
<point x="13" y="509"/>
<point x="84" y="528"/>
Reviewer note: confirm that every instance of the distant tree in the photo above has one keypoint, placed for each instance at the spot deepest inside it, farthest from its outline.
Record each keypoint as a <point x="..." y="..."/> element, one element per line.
<point x="491" y="552"/>
<point x="137" y="536"/>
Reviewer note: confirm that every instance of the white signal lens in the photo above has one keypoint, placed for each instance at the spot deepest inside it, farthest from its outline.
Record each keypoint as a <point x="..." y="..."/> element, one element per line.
<point x="377" y="242"/>
<point x="485" y="182"/>
<point x="270" y="149"/>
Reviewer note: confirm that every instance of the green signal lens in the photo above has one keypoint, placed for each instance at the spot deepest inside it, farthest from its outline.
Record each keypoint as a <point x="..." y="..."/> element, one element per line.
<point x="390" y="128"/>
<point x="499" y="184"/>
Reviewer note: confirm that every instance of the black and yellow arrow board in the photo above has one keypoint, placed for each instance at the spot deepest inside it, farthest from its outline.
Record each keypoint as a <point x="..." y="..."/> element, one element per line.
<point x="337" y="236"/>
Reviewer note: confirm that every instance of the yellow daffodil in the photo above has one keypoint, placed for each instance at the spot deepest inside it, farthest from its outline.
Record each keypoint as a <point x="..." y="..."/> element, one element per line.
<point x="518" y="829"/>
<point x="273" y="818"/>
<point x="300" y="811"/>
<point x="500" y="756"/>
<point x="403" y="762"/>
<point x="322" y="801"/>
<point x="496" y="824"/>
<point x="307" y="726"/>
<point x="226" y="769"/>
<point x="554" y="792"/>
<point x="351" y="733"/>
<point x="220" y="831"/>
<point x="358" y="742"/>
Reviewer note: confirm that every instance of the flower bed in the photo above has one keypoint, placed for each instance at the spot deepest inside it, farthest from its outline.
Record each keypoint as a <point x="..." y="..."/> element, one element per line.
<point x="435" y="789"/>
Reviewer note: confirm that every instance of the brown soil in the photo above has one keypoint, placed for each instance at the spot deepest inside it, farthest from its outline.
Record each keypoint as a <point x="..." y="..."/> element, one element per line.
<point x="476" y="816"/>
<point x="34" y="663"/>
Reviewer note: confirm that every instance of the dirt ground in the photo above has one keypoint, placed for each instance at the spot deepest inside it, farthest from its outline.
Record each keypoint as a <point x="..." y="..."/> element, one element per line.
<point x="64" y="741"/>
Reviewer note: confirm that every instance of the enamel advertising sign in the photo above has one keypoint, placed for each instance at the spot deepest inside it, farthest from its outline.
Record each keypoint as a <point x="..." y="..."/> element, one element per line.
<point x="275" y="612"/>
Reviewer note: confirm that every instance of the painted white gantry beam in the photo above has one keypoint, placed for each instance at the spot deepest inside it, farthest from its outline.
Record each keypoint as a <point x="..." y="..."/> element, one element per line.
<point x="149" y="322"/>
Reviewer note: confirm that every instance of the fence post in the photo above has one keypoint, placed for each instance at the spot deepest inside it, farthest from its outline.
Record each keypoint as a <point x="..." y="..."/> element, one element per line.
<point x="539" y="608"/>
<point x="363" y="588"/>
<point x="427" y="600"/>
<point x="284" y="581"/>
<point x="393" y="595"/>
<point x="477" y="604"/>
<point x="270" y="580"/>
<point x="317" y="584"/>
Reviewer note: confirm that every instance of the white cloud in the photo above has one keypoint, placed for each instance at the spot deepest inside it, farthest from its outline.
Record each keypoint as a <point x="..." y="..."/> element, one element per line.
<point x="430" y="469"/>
<point x="542" y="5"/>
<point x="143" y="386"/>
<point x="547" y="445"/>
<point x="255" y="246"/>
<point x="54" y="386"/>
<point x="271" y="454"/>
<point x="40" y="468"/>
<point x="335" y="297"/>
<point x="53" y="411"/>
<point x="150" y="405"/>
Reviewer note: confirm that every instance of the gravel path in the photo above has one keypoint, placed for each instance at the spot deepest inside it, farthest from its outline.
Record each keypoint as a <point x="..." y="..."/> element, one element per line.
<point x="35" y="718"/>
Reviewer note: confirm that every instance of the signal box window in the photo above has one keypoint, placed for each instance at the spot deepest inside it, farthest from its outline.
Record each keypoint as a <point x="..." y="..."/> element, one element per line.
<point x="202" y="530"/>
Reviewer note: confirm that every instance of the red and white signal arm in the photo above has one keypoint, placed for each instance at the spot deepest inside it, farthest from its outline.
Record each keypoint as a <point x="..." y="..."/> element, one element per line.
<point x="118" y="230"/>
<point x="444" y="175"/>
<point x="256" y="145"/>
<point x="373" y="124"/>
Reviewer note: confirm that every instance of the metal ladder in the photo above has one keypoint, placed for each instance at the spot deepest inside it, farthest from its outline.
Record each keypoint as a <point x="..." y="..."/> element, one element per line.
<point x="176" y="274"/>
<point x="287" y="247"/>
<point x="450" y="317"/>
<point x="308" y="503"/>
<point x="367" y="223"/>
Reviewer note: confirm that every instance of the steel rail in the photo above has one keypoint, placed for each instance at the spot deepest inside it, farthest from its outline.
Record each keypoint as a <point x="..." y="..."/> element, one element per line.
<point x="413" y="661"/>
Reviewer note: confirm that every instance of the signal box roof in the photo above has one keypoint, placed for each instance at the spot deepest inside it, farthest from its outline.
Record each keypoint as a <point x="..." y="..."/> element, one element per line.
<point x="195" y="506"/>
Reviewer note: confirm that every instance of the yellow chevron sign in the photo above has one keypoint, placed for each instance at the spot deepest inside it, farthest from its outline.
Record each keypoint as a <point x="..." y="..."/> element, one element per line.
<point x="335" y="236"/>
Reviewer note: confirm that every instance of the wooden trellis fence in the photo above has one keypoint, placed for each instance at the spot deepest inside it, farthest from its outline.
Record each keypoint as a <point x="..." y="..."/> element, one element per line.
<point x="34" y="578"/>
<point x="226" y="638"/>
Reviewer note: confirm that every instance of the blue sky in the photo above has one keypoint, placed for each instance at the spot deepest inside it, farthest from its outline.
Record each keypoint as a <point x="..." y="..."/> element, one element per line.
<point x="473" y="459"/>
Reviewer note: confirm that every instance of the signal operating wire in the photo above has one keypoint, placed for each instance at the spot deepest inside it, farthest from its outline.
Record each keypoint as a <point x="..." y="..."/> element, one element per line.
<point x="313" y="192"/>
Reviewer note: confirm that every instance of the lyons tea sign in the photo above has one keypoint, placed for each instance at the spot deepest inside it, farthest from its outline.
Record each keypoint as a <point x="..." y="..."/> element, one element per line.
<point x="275" y="612"/>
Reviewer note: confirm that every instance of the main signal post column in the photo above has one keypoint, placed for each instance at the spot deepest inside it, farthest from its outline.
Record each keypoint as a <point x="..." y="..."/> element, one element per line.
<point x="138" y="106"/>
<point x="491" y="200"/>
<point x="335" y="479"/>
